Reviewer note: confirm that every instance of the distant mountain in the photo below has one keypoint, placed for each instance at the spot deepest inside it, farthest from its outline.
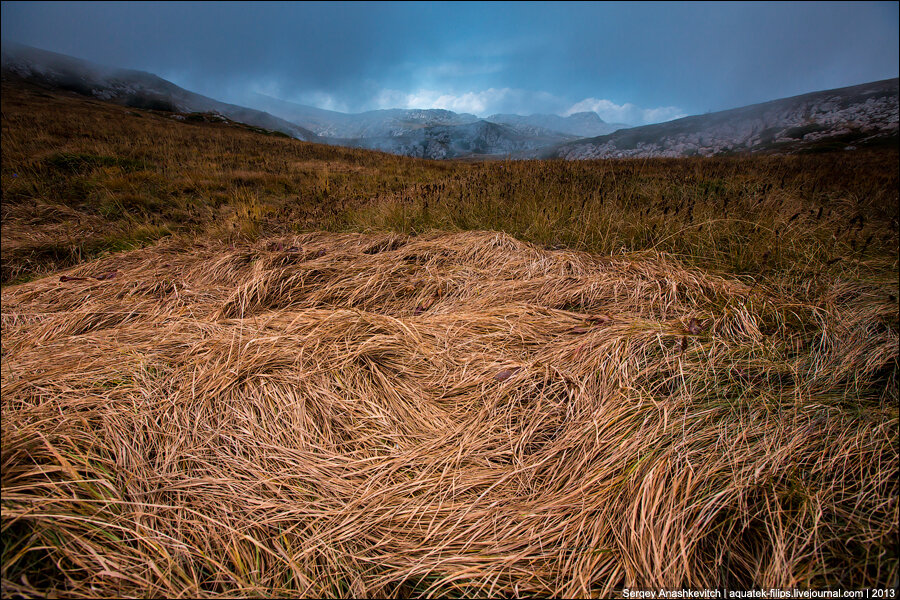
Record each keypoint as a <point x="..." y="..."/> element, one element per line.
<point x="846" y="117"/>
<point x="401" y="122"/>
<point x="581" y="125"/>
<point x="424" y="133"/>
<point x="137" y="89"/>
<point x="372" y="124"/>
<point x="435" y="133"/>
<point x="454" y="141"/>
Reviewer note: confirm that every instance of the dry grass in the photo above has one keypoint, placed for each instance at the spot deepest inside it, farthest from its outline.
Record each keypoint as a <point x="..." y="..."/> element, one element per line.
<point x="649" y="374"/>
<point x="374" y="415"/>
<point x="82" y="178"/>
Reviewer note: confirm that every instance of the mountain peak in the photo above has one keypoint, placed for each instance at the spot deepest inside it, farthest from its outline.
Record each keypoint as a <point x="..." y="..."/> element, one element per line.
<point x="588" y="115"/>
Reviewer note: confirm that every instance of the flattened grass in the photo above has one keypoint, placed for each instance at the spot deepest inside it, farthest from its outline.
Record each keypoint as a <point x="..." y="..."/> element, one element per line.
<point x="441" y="414"/>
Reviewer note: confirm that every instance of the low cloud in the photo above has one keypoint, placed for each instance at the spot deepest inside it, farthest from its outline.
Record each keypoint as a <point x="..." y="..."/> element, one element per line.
<point x="481" y="103"/>
<point x="626" y="113"/>
<point x="323" y="100"/>
<point x="470" y="102"/>
<point x="276" y="89"/>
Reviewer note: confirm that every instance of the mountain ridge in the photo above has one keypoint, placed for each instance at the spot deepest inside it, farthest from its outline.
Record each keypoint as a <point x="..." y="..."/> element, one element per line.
<point x="863" y="114"/>
<point x="426" y="133"/>
<point x="399" y="122"/>
<point x="860" y="114"/>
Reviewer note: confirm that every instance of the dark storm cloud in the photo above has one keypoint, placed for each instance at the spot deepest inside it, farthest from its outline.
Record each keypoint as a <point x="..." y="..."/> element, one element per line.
<point x="485" y="57"/>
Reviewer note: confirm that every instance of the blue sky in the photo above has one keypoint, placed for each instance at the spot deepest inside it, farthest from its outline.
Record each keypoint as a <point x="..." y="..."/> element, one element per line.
<point x="631" y="62"/>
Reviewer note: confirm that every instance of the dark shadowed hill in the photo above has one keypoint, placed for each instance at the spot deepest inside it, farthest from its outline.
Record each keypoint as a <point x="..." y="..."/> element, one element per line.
<point x="137" y="89"/>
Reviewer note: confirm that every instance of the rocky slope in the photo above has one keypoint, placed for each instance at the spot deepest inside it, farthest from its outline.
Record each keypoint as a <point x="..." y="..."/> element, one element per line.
<point x="840" y="118"/>
<point x="399" y="122"/>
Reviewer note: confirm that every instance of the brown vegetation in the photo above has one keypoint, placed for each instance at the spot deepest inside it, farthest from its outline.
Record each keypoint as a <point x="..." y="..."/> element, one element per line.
<point x="81" y="178"/>
<point x="650" y="374"/>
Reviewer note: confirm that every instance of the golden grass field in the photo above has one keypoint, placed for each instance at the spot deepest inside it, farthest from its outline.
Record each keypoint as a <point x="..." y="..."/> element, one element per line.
<point x="235" y="364"/>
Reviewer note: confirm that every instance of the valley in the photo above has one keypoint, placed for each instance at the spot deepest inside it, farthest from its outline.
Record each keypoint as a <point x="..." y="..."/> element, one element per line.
<point x="862" y="115"/>
<point x="239" y="363"/>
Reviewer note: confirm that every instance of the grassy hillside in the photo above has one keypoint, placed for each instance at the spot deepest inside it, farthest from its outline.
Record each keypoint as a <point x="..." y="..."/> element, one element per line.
<point x="263" y="367"/>
<point x="81" y="177"/>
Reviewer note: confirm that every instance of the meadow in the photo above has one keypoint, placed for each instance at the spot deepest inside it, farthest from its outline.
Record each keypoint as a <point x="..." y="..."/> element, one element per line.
<point x="236" y="364"/>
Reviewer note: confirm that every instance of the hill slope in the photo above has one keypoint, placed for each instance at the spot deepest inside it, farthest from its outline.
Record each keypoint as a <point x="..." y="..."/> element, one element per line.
<point x="136" y="89"/>
<point x="858" y="115"/>
<point x="82" y="177"/>
<point x="413" y="132"/>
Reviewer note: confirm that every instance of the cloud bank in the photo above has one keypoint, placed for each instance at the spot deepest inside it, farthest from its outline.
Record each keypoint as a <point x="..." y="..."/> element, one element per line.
<point x="480" y="103"/>
<point x="491" y="101"/>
